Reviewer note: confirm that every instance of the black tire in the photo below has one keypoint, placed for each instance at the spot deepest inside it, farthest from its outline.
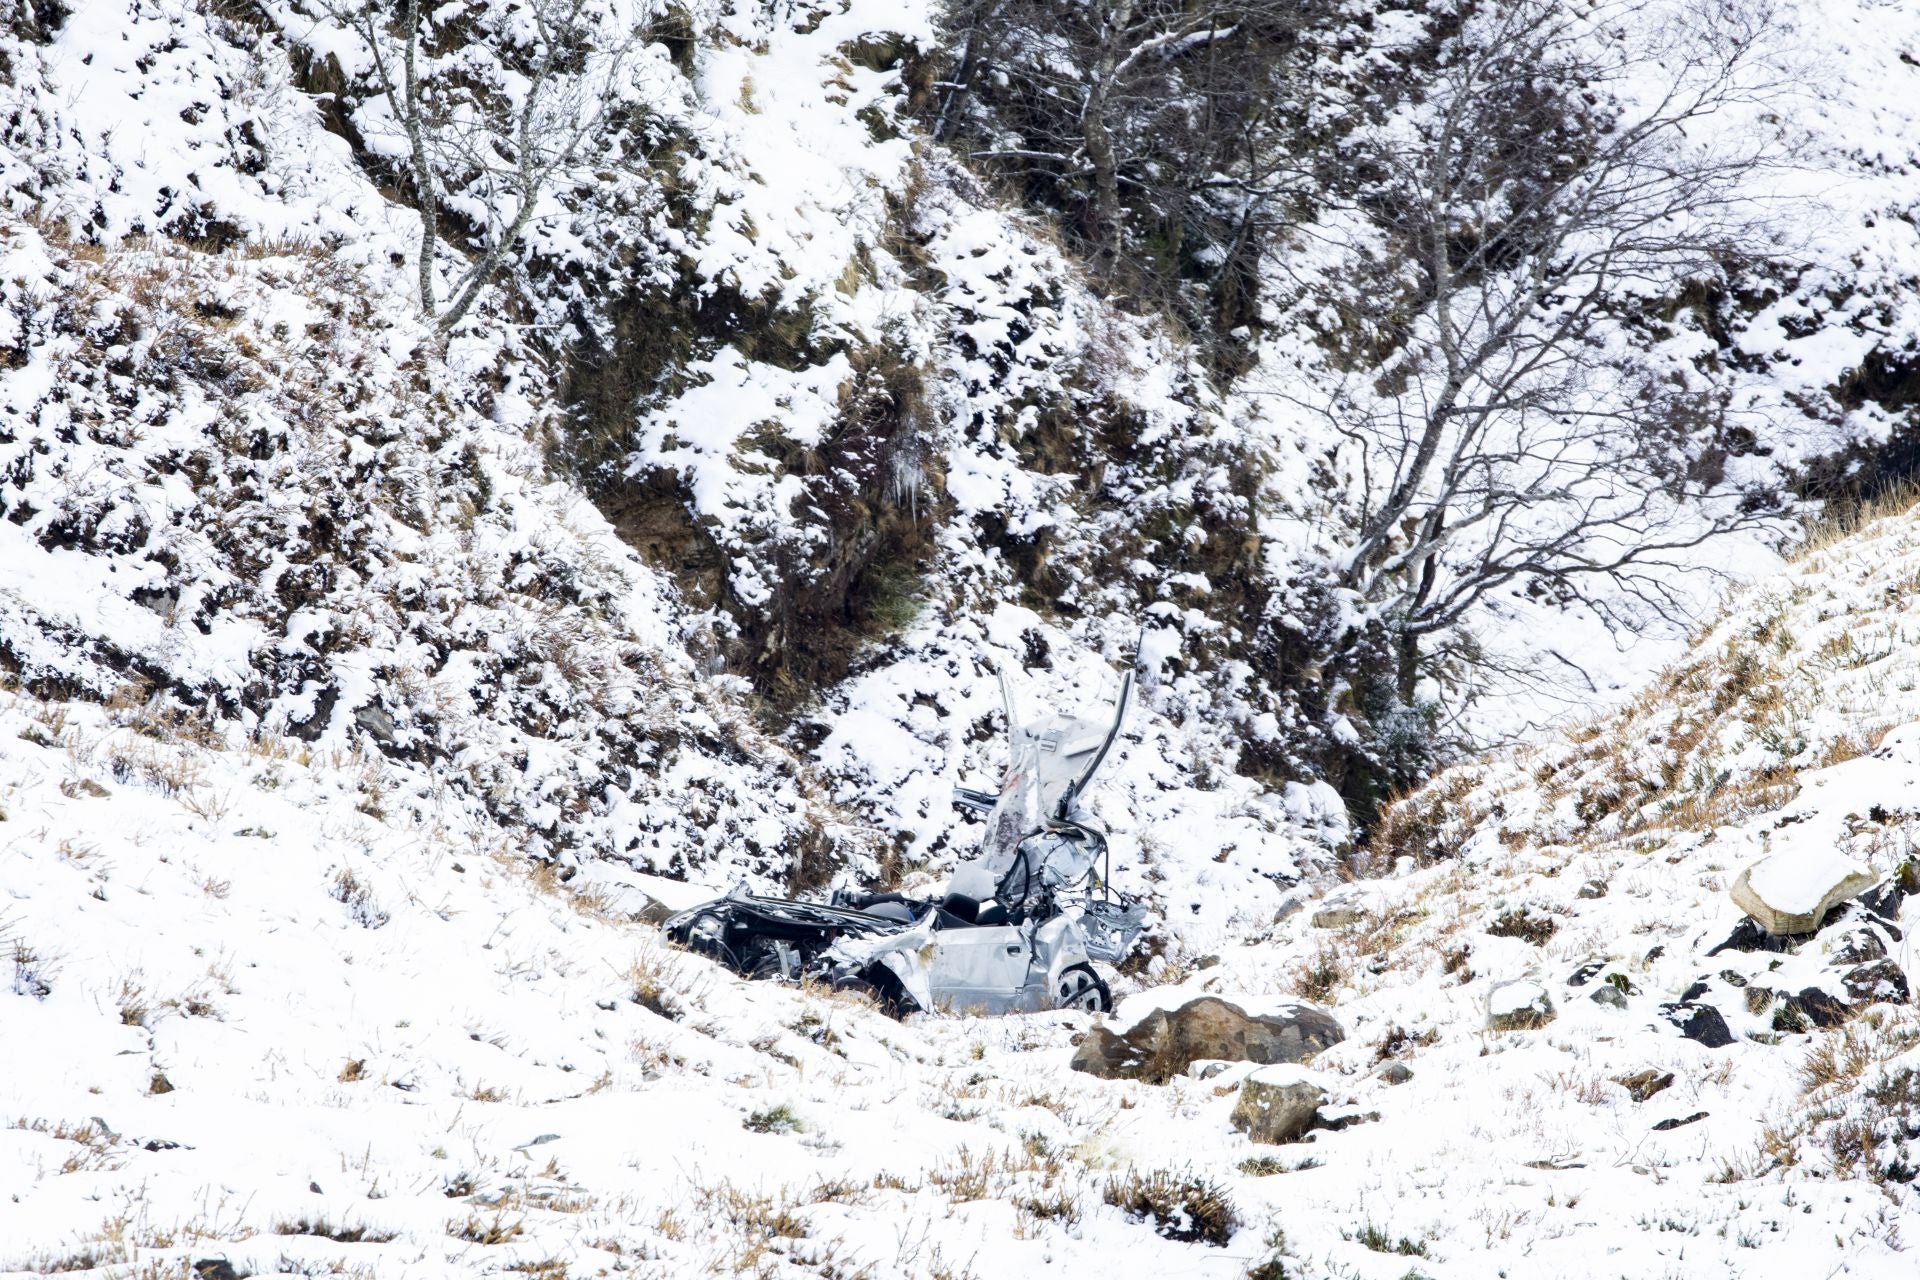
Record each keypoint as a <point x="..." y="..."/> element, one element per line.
<point x="887" y="995"/>
<point x="1079" y="987"/>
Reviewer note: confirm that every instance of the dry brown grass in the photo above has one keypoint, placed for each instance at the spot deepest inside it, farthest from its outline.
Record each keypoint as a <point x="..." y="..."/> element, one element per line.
<point x="1428" y="824"/>
<point x="1318" y="976"/>
<point x="1847" y="521"/>
<point x="1181" y="1205"/>
<point x="499" y="1229"/>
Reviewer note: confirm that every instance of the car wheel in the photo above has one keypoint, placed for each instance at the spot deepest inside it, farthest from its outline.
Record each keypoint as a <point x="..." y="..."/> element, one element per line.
<point x="1079" y="987"/>
<point x="888" y="995"/>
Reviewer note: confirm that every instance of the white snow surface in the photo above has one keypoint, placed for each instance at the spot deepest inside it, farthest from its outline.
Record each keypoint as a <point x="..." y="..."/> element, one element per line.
<point x="249" y="1020"/>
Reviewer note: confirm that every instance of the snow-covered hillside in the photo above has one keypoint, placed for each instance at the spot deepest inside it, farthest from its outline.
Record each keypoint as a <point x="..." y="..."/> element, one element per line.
<point x="245" y="480"/>
<point x="370" y="676"/>
<point x="251" y="1020"/>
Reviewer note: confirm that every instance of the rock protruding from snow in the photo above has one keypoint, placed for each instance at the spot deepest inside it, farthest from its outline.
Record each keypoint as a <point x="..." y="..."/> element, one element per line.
<point x="1701" y="1023"/>
<point x="1790" y="891"/>
<point x="1165" y="1042"/>
<point x="1278" y="1104"/>
<point x="1879" y="980"/>
<point x="1519" y="1006"/>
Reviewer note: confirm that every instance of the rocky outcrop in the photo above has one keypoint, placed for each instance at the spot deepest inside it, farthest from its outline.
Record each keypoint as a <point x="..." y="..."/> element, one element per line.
<point x="1791" y="891"/>
<point x="1277" y="1104"/>
<point x="1165" y="1042"/>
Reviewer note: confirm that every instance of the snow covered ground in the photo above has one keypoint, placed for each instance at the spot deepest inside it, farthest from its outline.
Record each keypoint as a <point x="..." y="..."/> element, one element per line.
<point x="250" y="1019"/>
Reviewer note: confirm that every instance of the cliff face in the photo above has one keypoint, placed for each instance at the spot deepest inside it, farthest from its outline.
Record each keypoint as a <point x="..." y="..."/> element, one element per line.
<point x="778" y="427"/>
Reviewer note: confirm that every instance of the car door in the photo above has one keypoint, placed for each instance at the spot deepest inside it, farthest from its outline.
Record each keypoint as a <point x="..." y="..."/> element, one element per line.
<point x="985" y="970"/>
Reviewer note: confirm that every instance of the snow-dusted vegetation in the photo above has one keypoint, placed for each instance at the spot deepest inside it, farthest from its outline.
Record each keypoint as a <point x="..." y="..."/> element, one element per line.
<point x="475" y="477"/>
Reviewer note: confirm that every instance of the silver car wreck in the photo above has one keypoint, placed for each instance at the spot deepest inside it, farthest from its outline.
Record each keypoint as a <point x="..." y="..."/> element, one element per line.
<point x="1019" y="927"/>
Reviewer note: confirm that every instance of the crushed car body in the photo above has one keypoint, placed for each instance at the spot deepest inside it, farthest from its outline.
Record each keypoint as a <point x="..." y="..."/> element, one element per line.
<point x="1019" y="928"/>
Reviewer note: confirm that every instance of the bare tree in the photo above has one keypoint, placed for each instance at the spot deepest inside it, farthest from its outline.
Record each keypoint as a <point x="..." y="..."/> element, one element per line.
<point x="1567" y="170"/>
<point x="1151" y="106"/>
<point x="487" y="140"/>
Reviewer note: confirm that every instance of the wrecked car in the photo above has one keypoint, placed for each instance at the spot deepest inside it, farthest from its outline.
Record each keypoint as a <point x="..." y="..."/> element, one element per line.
<point x="1019" y="926"/>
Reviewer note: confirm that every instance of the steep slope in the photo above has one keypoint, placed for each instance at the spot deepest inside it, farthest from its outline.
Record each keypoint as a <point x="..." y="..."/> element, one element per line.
<point x="244" y="478"/>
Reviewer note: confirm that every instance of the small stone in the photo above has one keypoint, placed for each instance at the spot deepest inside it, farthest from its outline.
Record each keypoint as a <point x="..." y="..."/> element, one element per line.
<point x="1664" y="1125"/>
<point x="374" y="719"/>
<point x="214" y="1269"/>
<point x="1612" y="997"/>
<point x="1694" y="992"/>
<point x="1207" y="962"/>
<point x="1748" y="936"/>
<point x="1395" y="1072"/>
<point x="160" y="1084"/>
<point x="1277" y="1104"/>
<point x="1700" y="1023"/>
<point x="1642" y="1085"/>
<point x="1885" y="898"/>
<point x="1732" y="979"/>
<point x="1593" y="889"/>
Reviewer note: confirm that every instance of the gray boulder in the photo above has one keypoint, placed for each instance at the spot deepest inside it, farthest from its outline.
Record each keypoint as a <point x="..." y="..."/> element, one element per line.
<point x="648" y="909"/>
<point x="1165" y="1042"/>
<point x="1611" y="996"/>
<point x="1277" y="1104"/>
